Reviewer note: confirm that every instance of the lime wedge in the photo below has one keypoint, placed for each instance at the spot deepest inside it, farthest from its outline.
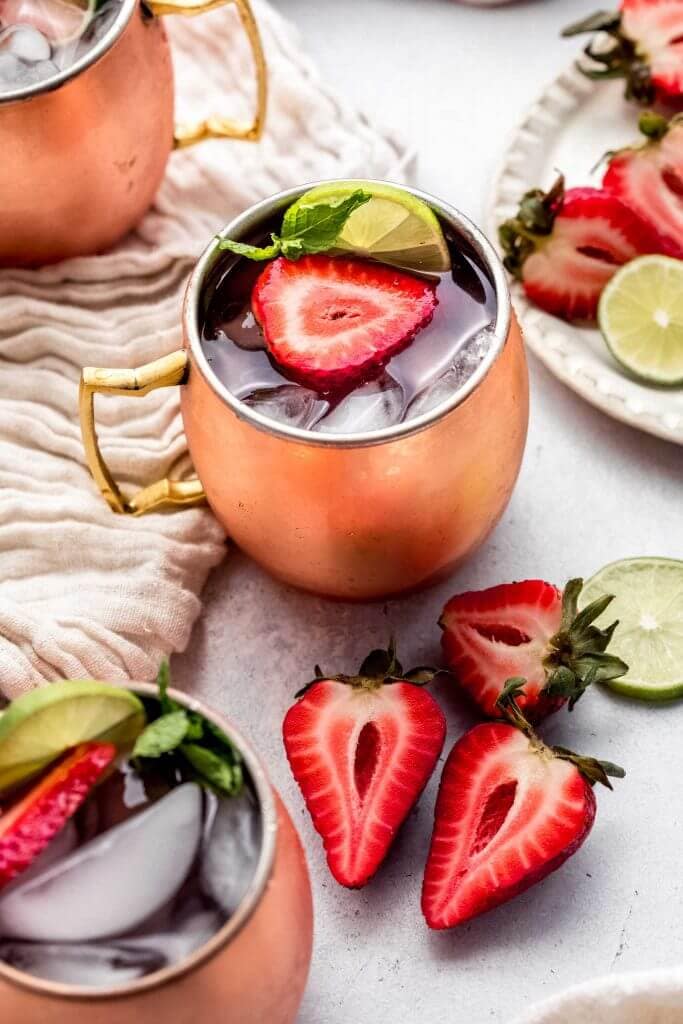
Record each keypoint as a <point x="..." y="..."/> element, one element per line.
<point x="41" y="725"/>
<point x="393" y="227"/>
<point x="648" y="601"/>
<point x="641" y="317"/>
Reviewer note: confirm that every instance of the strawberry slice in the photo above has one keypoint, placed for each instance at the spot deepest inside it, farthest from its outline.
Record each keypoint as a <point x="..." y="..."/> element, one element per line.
<point x="649" y="178"/>
<point x="28" y="826"/>
<point x="362" y="749"/>
<point x="646" y="48"/>
<point x="509" y="811"/>
<point x="565" y="246"/>
<point x="527" y="629"/>
<point x="328" y="322"/>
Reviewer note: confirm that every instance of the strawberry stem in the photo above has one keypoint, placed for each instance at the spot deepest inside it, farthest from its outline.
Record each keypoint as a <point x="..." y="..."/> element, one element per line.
<point x="590" y="767"/>
<point x="620" y="60"/>
<point x="380" y="668"/>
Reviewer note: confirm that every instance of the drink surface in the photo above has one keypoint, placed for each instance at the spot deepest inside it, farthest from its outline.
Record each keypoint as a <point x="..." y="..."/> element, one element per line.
<point x="150" y="867"/>
<point x="41" y="38"/>
<point x="425" y="374"/>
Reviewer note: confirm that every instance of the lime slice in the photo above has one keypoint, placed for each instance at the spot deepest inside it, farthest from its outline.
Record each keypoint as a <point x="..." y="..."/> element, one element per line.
<point x="648" y="601"/>
<point x="393" y="227"/>
<point x="39" y="726"/>
<point x="641" y="317"/>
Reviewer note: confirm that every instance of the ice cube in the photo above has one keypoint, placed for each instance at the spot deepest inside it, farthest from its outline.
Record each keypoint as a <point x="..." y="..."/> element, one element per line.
<point x="296" y="406"/>
<point x="464" y="364"/>
<point x="103" y="20"/>
<point x="32" y="74"/>
<point x="373" y="406"/>
<point x="114" y="882"/>
<point x="10" y="69"/>
<point x="185" y="934"/>
<point x="231" y="852"/>
<point x="26" y="43"/>
<point x="92" y="965"/>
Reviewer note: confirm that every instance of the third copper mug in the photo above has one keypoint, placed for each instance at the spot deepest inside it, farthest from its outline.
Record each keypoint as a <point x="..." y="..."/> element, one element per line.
<point x="356" y="516"/>
<point x="84" y="152"/>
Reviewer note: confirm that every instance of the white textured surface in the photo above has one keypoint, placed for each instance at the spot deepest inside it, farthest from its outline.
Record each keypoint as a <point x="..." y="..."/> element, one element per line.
<point x="573" y="123"/>
<point x="591" y="490"/>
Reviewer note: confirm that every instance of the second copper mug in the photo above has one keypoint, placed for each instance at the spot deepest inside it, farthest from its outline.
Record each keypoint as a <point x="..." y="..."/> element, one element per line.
<point x="357" y="516"/>
<point x="253" y="970"/>
<point x="84" y="152"/>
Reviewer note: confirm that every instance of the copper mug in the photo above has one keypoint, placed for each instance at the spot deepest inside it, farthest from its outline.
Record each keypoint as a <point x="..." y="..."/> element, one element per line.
<point x="251" y="971"/>
<point x="84" y="153"/>
<point x="348" y="516"/>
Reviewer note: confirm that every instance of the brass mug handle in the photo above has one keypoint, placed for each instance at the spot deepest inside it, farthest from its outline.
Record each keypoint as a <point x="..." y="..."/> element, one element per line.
<point x="221" y="127"/>
<point x="162" y="373"/>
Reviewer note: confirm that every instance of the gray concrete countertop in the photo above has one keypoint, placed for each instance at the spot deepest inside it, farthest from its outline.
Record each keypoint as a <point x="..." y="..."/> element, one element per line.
<point x="454" y="80"/>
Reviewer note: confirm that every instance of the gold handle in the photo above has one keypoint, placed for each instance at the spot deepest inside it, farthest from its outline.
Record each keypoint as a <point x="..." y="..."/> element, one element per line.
<point x="162" y="373"/>
<point x="222" y="127"/>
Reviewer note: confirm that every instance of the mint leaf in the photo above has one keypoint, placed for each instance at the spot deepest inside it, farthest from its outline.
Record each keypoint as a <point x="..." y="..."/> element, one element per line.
<point x="163" y="735"/>
<point x="252" y="252"/>
<point x="222" y="739"/>
<point x="195" y="729"/>
<point x="318" y="226"/>
<point x="214" y="769"/>
<point x="163" y="682"/>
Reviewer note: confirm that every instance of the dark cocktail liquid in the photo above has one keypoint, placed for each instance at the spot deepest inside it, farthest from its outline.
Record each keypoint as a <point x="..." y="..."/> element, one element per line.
<point x="423" y="376"/>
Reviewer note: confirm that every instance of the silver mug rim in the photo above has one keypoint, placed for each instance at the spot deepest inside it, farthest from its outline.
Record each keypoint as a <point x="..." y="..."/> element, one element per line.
<point x="250" y="219"/>
<point x="103" y="45"/>
<point x="233" y="926"/>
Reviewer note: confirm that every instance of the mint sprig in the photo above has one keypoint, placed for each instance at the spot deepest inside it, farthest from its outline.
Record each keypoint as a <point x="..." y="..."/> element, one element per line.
<point x="306" y="229"/>
<point x="190" y="743"/>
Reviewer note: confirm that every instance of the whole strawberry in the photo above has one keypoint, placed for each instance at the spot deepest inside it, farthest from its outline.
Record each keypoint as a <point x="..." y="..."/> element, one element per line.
<point x="649" y="178"/>
<point x="510" y="810"/>
<point x="646" y="48"/>
<point x="527" y="629"/>
<point x="564" y="246"/>
<point x="362" y="749"/>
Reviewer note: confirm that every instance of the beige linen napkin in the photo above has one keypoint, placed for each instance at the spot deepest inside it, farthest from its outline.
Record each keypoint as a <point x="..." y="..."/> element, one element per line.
<point x="84" y="592"/>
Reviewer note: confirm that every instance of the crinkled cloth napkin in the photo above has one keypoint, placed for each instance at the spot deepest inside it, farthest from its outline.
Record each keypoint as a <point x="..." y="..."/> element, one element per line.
<point x="647" y="997"/>
<point x="84" y="592"/>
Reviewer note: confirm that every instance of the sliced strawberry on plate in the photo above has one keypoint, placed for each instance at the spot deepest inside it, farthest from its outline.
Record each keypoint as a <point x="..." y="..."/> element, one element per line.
<point x="564" y="246"/>
<point x="27" y="826"/>
<point x="527" y="629"/>
<point x="649" y="178"/>
<point x="362" y="749"/>
<point x="509" y="811"/>
<point x="329" y="322"/>
<point x="645" y="47"/>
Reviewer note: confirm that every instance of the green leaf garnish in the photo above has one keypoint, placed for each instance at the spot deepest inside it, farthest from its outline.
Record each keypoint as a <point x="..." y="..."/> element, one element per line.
<point x="163" y="735"/>
<point x="306" y="229"/>
<point x="214" y="769"/>
<point x="189" y="745"/>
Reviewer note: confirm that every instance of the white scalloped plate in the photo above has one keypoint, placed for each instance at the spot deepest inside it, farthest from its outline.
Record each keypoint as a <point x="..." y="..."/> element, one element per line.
<point x="573" y="123"/>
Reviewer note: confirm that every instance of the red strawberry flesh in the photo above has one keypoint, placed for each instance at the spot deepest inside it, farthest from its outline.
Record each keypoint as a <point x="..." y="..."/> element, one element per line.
<point x="593" y="235"/>
<point x="330" y="322"/>
<point x="508" y="813"/>
<point x="649" y="179"/>
<point x="494" y="634"/>
<point x="28" y="826"/>
<point x="362" y="756"/>
<point x="656" y="26"/>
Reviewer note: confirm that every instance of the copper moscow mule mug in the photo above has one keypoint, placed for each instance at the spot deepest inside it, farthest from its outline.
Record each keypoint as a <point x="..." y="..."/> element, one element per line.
<point x="356" y="516"/>
<point x="84" y="153"/>
<point x="253" y="970"/>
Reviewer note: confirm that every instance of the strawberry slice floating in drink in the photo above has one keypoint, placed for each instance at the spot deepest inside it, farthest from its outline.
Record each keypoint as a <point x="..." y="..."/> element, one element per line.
<point x="329" y="322"/>
<point x="28" y="826"/>
<point x="362" y="749"/>
<point x="510" y="810"/>
<point x="527" y="629"/>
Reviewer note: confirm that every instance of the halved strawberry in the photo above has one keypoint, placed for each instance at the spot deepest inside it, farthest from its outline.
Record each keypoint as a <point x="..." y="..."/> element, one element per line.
<point x="329" y="322"/>
<point x="28" y="826"/>
<point x="649" y="178"/>
<point x="646" y="48"/>
<point x="362" y="749"/>
<point x="509" y="811"/>
<point x="527" y="629"/>
<point x="565" y="246"/>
